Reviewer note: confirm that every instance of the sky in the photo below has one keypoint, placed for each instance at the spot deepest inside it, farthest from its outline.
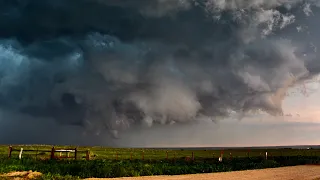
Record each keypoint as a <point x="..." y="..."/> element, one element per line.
<point x="304" y="107"/>
<point x="301" y="126"/>
<point x="160" y="73"/>
<point x="258" y="130"/>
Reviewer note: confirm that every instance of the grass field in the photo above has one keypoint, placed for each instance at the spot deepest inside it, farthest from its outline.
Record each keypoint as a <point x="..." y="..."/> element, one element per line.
<point x="43" y="152"/>
<point x="119" y="162"/>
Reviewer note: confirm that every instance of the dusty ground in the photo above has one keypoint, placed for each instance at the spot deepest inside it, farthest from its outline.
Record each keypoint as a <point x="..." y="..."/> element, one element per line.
<point x="21" y="175"/>
<point x="284" y="173"/>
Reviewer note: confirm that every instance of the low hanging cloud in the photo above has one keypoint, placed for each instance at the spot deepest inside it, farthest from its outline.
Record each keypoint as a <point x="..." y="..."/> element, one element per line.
<point x="109" y="66"/>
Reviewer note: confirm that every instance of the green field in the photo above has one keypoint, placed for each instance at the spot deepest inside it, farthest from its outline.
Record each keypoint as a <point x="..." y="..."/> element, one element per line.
<point x="43" y="152"/>
<point x="119" y="162"/>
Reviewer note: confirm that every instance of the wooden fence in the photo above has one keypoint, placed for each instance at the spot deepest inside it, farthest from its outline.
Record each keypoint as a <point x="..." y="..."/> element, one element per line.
<point x="55" y="153"/>
<point x="65" y="154"/>
<point x="52" y="153"/>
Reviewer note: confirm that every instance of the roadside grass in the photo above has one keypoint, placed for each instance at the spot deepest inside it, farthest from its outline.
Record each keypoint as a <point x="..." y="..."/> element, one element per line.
<point x="126" y="162"/>
<point x="128" y="168"/>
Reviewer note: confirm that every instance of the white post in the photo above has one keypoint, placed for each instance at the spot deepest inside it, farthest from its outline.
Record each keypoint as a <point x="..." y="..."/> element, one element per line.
<point x="221" y="156"/>
<point x="266" y="155"/>
<point x="20" y="155"/>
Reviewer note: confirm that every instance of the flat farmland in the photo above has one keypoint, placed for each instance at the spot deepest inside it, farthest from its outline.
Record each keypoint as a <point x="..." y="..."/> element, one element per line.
<point x="44" y="151"/>
<point x="55" y="162"/>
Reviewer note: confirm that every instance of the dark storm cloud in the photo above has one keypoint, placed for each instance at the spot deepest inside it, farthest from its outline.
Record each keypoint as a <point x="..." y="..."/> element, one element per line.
<point x="107" y="65"/>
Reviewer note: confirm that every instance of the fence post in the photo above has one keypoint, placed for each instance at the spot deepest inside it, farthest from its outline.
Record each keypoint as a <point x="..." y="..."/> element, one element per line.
<point x="75" y="153"/>
<point x="131" y="156"/>
<point x="88" y="155"/>
<point x="192" y="156"/>
<point x="20" y="154"/>
<point x="52" y="153"/>
<point x="167" y="155"/>
<point x="37" y="154"/>
<point x="266" y="155"/>
<point x="142" y="155"/>
<point x="10" y="151"/>
<point x="174" y="156"/>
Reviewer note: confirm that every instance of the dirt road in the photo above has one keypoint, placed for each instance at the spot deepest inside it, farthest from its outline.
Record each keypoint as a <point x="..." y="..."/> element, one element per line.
<point x="284" y="173"/>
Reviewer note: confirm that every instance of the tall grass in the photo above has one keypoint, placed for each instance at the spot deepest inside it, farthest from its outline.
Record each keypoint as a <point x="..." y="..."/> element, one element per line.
<point x="127" y="168"/>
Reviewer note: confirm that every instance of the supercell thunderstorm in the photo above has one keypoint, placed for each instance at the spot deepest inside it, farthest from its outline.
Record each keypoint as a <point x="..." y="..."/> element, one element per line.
<point x="113" y="65"/>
